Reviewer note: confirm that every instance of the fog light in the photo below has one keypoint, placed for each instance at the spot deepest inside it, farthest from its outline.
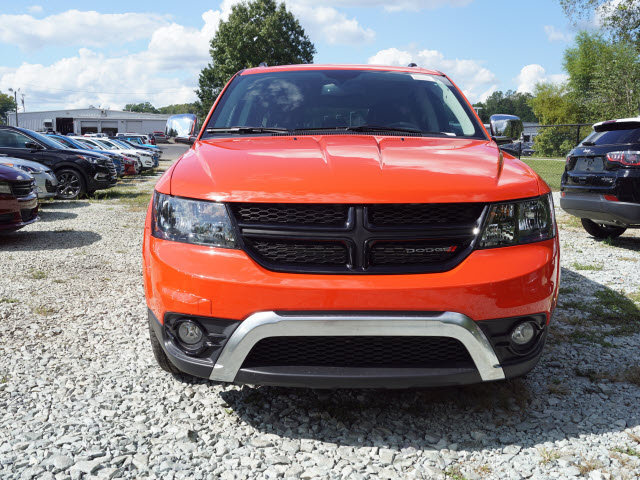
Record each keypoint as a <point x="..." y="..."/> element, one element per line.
<point x="523" y="333"/>
<point x="189" y="333"/>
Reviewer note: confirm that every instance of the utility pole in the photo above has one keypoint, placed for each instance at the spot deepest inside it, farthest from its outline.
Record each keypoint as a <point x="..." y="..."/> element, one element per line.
<point x="15" y="96"/>
<point x="24" y="110"/>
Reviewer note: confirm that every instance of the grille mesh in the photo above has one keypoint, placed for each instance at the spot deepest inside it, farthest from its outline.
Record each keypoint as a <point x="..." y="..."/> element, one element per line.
<point x="423" y="214"/>
<point x="359" y="352"/>
<point x="22" y="188"/>
<point x="291" y="214"/>
<point x="291" y="252"/>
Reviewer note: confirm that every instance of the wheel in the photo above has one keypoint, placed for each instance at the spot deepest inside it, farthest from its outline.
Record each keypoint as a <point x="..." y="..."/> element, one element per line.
<point x="598" y="230"/>
<point x="161" y="357"/>
<point x="71" y="184"/>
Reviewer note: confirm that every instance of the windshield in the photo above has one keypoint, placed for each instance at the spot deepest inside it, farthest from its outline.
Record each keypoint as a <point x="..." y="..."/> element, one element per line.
<point x="613" y="137"/>
<point x="343" y="99"/>
<point x="108" y="145"/>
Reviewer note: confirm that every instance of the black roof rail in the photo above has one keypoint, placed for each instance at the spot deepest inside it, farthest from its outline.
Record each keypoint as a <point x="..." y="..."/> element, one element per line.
<point x="263" y="64"/>
<point x="412" y="65"/>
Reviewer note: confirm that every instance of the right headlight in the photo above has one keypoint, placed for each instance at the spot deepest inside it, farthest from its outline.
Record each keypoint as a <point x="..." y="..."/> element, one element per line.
<point x="192" y="221"/>
<point x="520" y="222"/>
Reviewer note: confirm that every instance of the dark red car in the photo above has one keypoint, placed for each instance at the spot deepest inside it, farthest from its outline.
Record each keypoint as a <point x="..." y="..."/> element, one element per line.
<point x="18" y="199"/>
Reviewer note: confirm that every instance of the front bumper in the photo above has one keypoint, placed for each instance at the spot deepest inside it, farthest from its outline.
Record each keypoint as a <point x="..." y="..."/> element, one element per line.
<point x="233" y="343"/>
<point x="46" y="185"/>
<point x="594" y="207"/>
<point x="16" y="213"/>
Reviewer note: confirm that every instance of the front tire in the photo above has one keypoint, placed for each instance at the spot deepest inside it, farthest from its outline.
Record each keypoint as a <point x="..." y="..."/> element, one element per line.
<point x="71" y="184"/>
<point x="601" y="231"/>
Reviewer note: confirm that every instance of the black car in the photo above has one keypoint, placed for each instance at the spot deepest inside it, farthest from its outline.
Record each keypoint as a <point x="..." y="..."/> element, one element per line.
<point x="77" y="173"/>
<point x="601" y="181"/>
<point x="18" y="199"/>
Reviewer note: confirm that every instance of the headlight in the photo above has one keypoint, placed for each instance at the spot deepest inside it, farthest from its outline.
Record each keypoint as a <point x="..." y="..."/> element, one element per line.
<point x="25" y="168"/>
<point x="88" y="158"/>
<point x="519" y="222"/>
<point x="192" y="221"/>
<point x="5" y="187"/>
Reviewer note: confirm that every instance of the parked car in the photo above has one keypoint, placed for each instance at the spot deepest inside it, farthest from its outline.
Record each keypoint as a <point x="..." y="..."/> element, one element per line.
<point x="601" y="181"/>
<point x="159" y="137"/>
<point x="361" y="230"/>
<point x="66" y="142"/>
<point x="77" y="173"/>
<point x="18" y="199"/>
<point x="46" y="181"/>
<point x="157" y="154"/>
<point x="145" y="159"/>
<point x="95" y="144"/>
<point x="144" y="150"/>
<point x="138" y="142"/>
<point x="147" y="139"/>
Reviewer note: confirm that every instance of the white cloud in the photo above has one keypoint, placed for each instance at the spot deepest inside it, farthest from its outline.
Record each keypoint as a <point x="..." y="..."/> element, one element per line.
<point x="472" y="78"/>
<point x="334" y="26"/>
<point x="412" y="5"/>
<point x="555" y="35"/>
<point x="74" y="27"/>
<point x="35" y="9"/>
<point x="532" y="74"/>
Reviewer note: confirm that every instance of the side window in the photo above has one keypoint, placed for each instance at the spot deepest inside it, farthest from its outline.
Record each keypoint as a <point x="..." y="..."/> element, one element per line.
<point x="11" y="139"/>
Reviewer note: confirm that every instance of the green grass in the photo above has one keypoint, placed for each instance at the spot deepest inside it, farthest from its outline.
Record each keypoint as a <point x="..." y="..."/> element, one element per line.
<point x="550" y="170"/>
<point x="628" y="451"/>
<point x="585" y="266"/>
<point x="37" y="274"/>
<point x="8" y="300"/>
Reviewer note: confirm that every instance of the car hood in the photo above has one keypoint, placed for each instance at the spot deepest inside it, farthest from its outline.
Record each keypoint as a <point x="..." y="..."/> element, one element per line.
<point x="349" y="169"/>
<point x="27" y="163"/>
<point x="10" y="174"/>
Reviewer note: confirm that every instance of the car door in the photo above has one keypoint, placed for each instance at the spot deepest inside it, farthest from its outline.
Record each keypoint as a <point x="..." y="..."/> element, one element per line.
<point x="13" y="144"/>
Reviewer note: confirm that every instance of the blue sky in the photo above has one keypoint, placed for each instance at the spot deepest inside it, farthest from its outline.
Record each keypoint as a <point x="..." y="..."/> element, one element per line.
<point x="72" y="54"/>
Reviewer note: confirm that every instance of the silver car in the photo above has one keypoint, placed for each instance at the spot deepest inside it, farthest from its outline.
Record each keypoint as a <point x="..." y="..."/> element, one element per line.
<point x="46" y="181"/>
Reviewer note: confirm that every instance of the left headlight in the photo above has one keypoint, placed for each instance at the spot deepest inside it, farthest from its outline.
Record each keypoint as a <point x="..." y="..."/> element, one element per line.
<point x="521" y="222"/>
<point x="192" y="221"/>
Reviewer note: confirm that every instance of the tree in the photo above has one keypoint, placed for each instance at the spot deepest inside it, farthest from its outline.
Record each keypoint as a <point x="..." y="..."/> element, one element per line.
<point x="581" y="62"/>
<point x="510" y="103"/>
<point x="616" y="83"/>
<point x="7" y="105"/>
<point x="553" y="104"/>
<point x="178" y="108"/>
<point x="145" y="107"/>
<point x="621" y="17"/>
<point x="258" y="31"/>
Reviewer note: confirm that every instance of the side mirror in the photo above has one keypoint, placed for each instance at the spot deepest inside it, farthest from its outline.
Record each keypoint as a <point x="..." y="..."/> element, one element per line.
<point x="505" y="128"/>
<point x="32" y="146"/>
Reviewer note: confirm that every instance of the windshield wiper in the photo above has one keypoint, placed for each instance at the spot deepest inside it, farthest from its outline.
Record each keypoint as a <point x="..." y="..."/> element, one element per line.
<point x="242" y="130"/>
<point x="381" y="128"/>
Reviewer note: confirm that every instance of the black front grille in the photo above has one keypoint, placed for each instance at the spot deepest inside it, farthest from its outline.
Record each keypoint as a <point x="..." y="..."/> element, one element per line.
<point x="112" y="168"/>
<point x="22" y="188"/>
<point x="359" y="352"/>
<point x="358" y="239"/>
<point x="291" y="214"/>
<point x="394" y="215"/>
<point x="291" y="252"/>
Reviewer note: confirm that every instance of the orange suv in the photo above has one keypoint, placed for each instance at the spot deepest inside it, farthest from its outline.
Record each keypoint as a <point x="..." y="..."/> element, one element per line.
<point x="349" y="226"/>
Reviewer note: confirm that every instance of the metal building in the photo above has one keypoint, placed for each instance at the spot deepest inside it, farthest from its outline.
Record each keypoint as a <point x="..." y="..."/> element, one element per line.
<point x="90" y="120"/>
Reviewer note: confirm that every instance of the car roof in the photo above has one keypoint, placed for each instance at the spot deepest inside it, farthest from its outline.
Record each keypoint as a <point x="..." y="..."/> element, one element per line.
<point x="313" y="66"/>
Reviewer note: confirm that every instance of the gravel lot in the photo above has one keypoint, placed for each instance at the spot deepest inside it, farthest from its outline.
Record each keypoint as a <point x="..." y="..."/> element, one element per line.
<point x="81" y="396"/>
